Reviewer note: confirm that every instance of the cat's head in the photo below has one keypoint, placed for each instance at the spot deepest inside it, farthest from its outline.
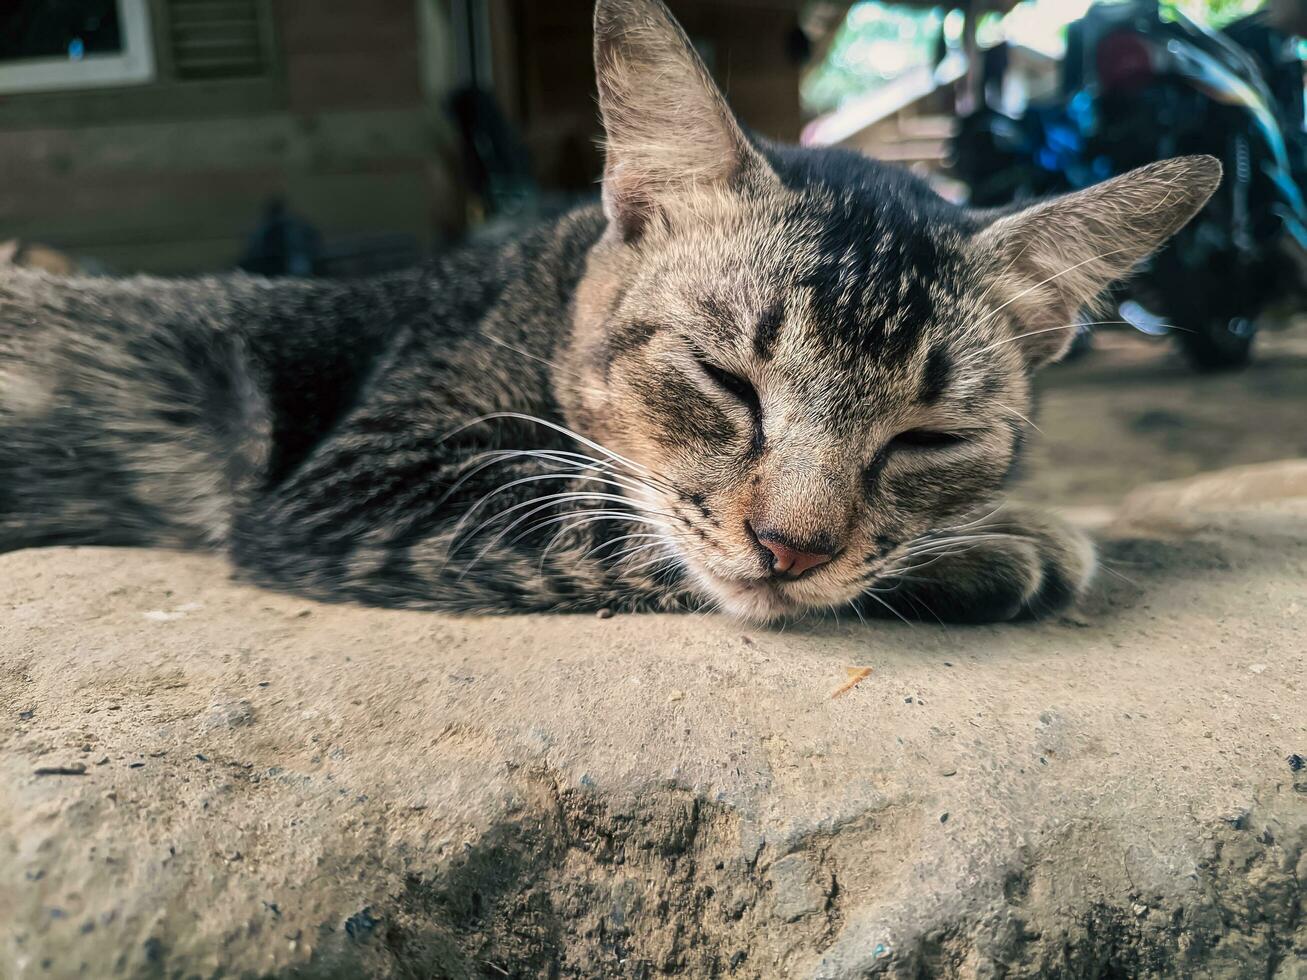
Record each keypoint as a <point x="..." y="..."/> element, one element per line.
<point x="811" y="358"/>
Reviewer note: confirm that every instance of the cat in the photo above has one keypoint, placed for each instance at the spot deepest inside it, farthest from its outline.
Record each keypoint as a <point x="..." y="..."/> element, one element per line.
<point x="756" y="378"/>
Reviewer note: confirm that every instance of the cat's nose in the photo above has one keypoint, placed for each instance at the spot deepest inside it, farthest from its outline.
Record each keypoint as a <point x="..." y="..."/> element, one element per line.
<point x="789" y="561"/>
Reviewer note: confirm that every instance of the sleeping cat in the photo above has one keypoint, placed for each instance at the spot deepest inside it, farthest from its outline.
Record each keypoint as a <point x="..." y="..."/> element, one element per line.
<point x="758" y="378"/>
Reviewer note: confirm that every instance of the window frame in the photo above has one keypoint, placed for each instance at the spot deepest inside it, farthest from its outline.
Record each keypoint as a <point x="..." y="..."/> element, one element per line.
<point x="134" y="66"/>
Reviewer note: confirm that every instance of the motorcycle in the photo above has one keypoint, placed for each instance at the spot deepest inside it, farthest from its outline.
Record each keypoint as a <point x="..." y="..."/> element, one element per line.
<point x="1139" y="85"/>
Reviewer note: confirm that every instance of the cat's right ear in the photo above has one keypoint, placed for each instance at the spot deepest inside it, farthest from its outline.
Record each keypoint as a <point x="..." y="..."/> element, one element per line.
<point x="1050" y="260"/>
<point x="668" y="130"/>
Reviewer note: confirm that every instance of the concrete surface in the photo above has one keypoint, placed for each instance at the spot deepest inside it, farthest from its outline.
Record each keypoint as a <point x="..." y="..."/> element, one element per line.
<point x="203" y="779"/>
<point x="198" y="779"/>
<point x="1132" y="412"/>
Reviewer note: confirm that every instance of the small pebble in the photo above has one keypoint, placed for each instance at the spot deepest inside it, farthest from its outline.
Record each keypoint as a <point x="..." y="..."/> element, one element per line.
<point x="676" y="696"/>
<point x="604" y="613"/>
<point x="950" y="771"/>
<point x="943" y="817"/>
<point x="1297" y="763"/>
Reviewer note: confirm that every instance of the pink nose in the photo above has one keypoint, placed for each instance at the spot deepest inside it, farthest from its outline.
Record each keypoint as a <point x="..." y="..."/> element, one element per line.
<point x="791" y="562"/>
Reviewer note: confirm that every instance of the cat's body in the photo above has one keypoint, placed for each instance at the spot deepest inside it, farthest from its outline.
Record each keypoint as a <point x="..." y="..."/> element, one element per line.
<point x="764" y="378"/>
<point x="309" y="428"/>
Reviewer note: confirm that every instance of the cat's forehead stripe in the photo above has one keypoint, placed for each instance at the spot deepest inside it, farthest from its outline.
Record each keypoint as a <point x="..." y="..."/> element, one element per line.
<point x="626" y="340"/>
<point x="768" y="330"/>
<point x="935" y="376"/>
<point x="717" y="313"/>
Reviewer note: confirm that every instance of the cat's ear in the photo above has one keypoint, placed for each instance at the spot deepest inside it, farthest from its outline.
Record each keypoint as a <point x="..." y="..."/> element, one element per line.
<point x="1048" y="262"/>
<point x="667" y="127"/>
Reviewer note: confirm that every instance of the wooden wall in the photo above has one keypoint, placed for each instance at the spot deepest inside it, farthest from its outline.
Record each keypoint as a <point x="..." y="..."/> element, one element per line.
<point x="547" y="80"/>
<point x="173" y="176"/>
<point x="347" y="126"/>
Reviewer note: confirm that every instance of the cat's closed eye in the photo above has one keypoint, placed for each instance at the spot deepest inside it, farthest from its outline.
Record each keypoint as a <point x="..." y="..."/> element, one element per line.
<point x="927" y="439"/>
<point x="734" y="385"/>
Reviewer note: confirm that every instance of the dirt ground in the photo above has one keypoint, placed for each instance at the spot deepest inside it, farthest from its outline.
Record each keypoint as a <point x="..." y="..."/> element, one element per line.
<point x="1131" y="412"/>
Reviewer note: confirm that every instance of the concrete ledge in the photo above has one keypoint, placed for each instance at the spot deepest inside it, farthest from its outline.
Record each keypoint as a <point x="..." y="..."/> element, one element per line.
<point x="202" y="779"/>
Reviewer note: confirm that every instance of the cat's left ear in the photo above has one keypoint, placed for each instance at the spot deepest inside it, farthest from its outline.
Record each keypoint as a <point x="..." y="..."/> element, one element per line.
<point x="1048" y="262"/>
<point x="667" y="128"/>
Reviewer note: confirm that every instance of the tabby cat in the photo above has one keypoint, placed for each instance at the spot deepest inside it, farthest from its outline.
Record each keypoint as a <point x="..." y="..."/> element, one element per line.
<point x="758" y="378"/>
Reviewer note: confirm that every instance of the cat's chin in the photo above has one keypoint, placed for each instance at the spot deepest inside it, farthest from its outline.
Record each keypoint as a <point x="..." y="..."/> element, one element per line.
<point x="758" y="601"/>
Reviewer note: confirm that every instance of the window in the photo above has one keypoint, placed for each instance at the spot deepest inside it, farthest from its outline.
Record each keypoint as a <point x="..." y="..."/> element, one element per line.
<point x="49" y="45"/>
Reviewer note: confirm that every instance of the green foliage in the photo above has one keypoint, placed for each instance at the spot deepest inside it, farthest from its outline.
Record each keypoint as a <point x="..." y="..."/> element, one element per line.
<point x="879" y="41"/>
<point x="1216" y="13"/>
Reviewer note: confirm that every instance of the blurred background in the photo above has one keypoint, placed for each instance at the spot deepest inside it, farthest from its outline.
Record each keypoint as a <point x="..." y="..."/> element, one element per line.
<point x="349" y="137"/>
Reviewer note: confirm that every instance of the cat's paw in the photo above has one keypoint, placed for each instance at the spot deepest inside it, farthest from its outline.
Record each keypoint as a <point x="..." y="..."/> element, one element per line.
<point x="1019" y="564"/>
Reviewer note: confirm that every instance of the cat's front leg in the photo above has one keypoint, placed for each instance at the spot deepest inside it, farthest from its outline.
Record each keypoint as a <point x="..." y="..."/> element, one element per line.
<point x="1015" y="563"/>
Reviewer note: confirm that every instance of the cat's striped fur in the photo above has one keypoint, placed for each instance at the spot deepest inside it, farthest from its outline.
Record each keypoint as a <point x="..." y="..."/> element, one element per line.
<point x="749" y="350"/>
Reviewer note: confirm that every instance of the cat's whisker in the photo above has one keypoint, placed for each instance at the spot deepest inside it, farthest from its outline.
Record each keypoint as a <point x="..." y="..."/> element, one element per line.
<point x="628" y="554"/>
<point x="999" y="504"/>
<point x="596" y="514"/>
<point x="1057" y="275"/>
<point x="1032" y="333"/>
<point x="673" y="570"/>
<point x="485" y="460"/>
<point x="935" y="541"/>
<point x="970" y="543"/>
<point x="561" y="430"/>
<point x="1106" y="566"/>
<point x="552" y="364"/>
<point x="916" y="600"/>
<point x="637" y="471"/>
<point x="578" y="461"/>
<point x="655" y="561"/>
<point x="1020" y="336"/>
<point x="1002" y="276"/>
<point x="578" y="521"/>
<point x="1024" y="418"/>
<point x="584" y="517"/>
<point x="937" y="551"/>
<point x="537" y="478"/>
<point x="538" y="504"/>
<point x="876" y="598"/>
<point x="610" y="542"/>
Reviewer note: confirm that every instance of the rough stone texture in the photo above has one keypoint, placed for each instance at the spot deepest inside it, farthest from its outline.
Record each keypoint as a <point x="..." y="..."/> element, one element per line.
<point x="277" y="788"/>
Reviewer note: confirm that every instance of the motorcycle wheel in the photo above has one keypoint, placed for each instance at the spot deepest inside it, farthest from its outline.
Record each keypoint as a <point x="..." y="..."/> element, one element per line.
<point x="1218" y="344"/>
